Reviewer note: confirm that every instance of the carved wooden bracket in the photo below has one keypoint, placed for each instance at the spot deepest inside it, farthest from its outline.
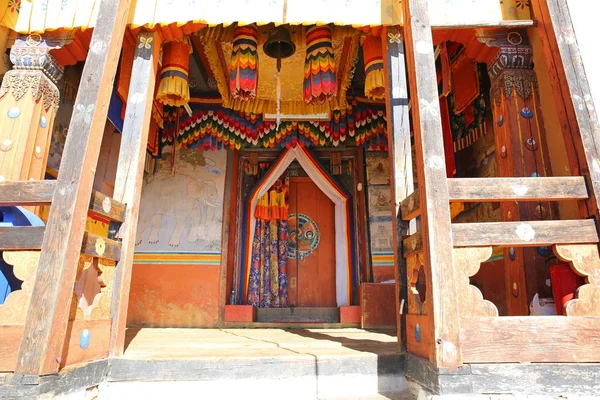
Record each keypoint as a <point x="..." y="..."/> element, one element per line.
<point x="99" y="308"/>
<point x="25" y="264"/>
<point x="414" y="265"/>
<point x="585" y="261"/>
<point x="467" y="261"/>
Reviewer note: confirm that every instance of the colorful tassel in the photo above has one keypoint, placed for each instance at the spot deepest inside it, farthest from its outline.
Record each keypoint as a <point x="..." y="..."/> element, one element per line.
<point x="174" y="89"/>
<point x="319" y="68"/>
<point x="243" y="70"/>
<point x="373" y="60"/>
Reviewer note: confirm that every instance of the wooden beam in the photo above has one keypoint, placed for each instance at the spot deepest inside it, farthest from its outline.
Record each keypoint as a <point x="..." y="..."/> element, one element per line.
<point x="530" y="339"/>
<point x="517" y="189"/>
<point x="226" y="240"/>
<point x="587" y="118"/>
<point x="101" y="247"/>
<point x="400" y="159"/>
<point x="130" y="174"/>
<point x="524" y="233"/>
<point x="507" y="24"/>
<point x="412" y="244"/>
<point x="19" y="238"/>
<point x="433" y="186"/>
<point x="26" y="193"/>
<point x="410" y="207"/>
<point x="48" y="313"/>
<point x="105" y="207"/>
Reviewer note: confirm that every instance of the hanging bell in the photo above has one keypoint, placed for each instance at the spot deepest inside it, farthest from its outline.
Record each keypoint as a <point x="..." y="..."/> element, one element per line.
<point x="279" y="45"/>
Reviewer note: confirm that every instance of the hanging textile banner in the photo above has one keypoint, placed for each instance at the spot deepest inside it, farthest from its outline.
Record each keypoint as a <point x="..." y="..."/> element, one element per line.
<point x="212" y="126"/>
<point x="243" y="75"/>
<point x="319" y="66"/>
<point x="373" y="61"/>
<point x="174" y="89"/>
<point x="267" y="282"/>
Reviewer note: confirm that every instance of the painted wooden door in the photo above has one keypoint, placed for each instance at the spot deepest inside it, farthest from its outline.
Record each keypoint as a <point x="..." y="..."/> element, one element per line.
<point x="311" y="254"/>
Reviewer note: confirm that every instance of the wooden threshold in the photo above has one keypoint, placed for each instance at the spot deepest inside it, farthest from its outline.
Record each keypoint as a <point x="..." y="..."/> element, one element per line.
<point x="291" y="325"/>
<point x="26" y="193"/>
<point x="530" y="339"/>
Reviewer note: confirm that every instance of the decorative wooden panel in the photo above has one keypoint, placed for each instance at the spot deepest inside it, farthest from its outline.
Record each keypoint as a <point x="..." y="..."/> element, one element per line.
<point x="24" y="263"/>
<point x="585" y="260"/>
<point x="415" y="264"/>
<point x="467" y="262"/>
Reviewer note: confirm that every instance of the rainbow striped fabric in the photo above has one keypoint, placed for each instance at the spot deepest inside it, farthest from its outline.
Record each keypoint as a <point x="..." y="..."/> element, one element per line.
<point x="243" y="69"/>
<point x="319" y="67"/>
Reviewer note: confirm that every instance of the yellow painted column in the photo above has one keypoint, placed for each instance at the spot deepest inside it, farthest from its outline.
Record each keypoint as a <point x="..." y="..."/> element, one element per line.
<point x="29" y="100"/>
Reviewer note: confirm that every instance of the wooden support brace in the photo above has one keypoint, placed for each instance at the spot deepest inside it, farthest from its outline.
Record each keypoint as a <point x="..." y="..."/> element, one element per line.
<point x="105" y="207"/>
<point x="130" y="173"/>
<point x="26" y="193"/>
<point x="433" y="186"/>
<point x="45" y="327"/>
<point x="20" y="238"/>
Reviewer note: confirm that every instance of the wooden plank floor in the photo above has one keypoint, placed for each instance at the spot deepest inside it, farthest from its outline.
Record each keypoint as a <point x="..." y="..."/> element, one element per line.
<point x="174" y="343"/>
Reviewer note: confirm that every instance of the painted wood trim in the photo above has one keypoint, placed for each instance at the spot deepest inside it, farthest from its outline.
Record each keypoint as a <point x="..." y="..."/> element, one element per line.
<point x="130" y="175"/>
<point x="106" y="207"/>
<point x="26" y="193"/>
<point x="517" y="189"/>
<point x="47" y="317"/>
<point x="433" y="185"/>
<point x="530" y="339"/>
<point x="230" y="177"/>
<point x="587" y="118"/>
<point x="524" y="233"/>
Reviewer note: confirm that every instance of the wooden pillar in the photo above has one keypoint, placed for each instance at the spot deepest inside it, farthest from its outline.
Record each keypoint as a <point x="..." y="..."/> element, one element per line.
<point x="556" y="19"/>
<point x="46" y="323"/>
<point x="401" y="166"/>
<point x="28" y="103"/>
<point x="130" y="174"/>
<point x="433" y="185"/>
<point x="521" y="151"/>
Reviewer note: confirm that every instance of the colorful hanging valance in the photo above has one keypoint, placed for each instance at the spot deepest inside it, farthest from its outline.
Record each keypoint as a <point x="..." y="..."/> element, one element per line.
<point x="319" y="66"/>
<point x="212" y="126"/>
<point x="218" y="47"/>
<point x="174" y="89"/>
<point x="373" y="61"/>
<point x="243" y="75"/>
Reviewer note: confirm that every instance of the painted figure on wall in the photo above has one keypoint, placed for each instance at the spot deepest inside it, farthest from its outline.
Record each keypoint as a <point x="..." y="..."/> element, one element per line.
<point x="181" y="205"/>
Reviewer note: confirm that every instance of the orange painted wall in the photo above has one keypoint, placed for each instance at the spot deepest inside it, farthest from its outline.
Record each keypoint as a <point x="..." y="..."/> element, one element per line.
<point x="175" y="296"/>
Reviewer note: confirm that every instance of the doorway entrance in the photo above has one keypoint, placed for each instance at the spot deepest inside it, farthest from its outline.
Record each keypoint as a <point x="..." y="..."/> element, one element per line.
<point x="311" y="246"/>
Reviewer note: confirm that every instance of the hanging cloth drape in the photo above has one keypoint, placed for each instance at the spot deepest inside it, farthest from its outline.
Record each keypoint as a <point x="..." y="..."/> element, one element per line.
<point x="373" y="61"/>
<point x="174" y="89"/>
<point x="267" y="286"/>
<point x="319" y="67"/>
<point x="243" y="70"/>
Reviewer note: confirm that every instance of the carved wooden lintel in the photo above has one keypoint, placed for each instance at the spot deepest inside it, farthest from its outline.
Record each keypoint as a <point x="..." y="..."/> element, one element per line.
<point x="467" y="261"/>
<point x="585" y="261"/>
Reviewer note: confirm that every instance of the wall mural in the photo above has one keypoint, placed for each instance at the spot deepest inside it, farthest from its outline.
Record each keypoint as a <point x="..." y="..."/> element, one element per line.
<point x="181" y="208"/>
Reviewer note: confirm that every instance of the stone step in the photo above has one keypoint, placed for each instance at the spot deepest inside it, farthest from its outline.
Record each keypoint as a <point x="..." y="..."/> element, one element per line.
<point x="299" y="314"/>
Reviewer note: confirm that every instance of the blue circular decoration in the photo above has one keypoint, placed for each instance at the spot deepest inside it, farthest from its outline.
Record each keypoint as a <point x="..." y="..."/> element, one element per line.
<point x="526" y="113"/>
<point x="544" y="251"/>
<point x="535" y="175"/>
<point x="43" y="122"/>
<point x="303" y="236"/>
<point x="418" y="333"/>
<point x="14" y="112"/>
<point x="84" y="339"/>
<point x="512" y="254"/>
<point x="501" y="120"/>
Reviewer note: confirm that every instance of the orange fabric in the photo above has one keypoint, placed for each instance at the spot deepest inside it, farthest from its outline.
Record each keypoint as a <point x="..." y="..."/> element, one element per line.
<point x="465" y="83"/>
